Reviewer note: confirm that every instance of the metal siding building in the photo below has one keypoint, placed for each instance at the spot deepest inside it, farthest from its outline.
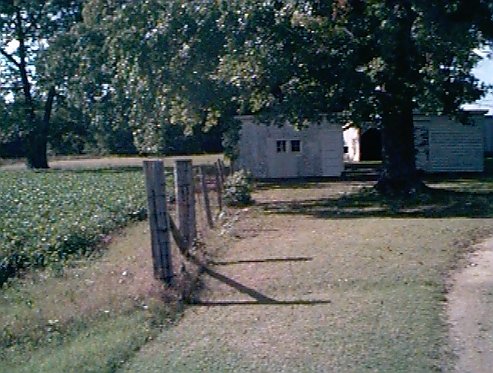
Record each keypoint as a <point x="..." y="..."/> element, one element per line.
<point x="488" y="134"/>
<point x="442" y="145"/>
<point x="271" y="152"/>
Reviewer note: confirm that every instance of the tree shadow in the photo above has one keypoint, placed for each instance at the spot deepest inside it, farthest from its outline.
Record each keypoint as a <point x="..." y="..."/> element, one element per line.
<point x="259" y="303"/>
<point x="296" y="183"/>
<point x="366" y="202"/>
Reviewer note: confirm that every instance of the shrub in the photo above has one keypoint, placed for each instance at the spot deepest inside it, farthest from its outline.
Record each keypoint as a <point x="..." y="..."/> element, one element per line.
<point x="237" y="189"/>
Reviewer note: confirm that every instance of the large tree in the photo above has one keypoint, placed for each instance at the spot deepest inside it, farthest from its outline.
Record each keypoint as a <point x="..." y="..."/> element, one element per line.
<point x="26" y="27"/>
<point x="168" y="67"/>
<point x="376" y="60"/>
<point x="364" y="59"/>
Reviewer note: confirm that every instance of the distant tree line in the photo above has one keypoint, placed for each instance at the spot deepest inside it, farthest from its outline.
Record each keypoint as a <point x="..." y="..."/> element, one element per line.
<point x="72" y="134"/>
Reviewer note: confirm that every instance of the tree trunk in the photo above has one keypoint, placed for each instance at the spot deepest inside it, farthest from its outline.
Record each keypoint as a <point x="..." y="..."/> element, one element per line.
<point x="37" y="157"/>
<point x="36" y="152"/>
<point x="399" y="175"/>
<point x="37" y="139"/>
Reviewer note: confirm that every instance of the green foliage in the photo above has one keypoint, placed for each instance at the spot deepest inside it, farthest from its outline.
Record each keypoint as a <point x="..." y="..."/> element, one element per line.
<point x="144" y="71"/>
<point x="298" y="59"/>
<point x="231" y="137"/>
<point x="45" y="217"/>
<point x="238" y="189"/>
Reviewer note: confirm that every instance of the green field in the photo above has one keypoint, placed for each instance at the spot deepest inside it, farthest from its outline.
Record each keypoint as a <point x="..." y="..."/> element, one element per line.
<point x="46" y="217"/>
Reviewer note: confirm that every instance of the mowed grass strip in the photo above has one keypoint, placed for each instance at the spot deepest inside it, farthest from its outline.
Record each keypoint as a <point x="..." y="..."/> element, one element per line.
<point x="47" y="216"/>
<point x="383" y="265"/>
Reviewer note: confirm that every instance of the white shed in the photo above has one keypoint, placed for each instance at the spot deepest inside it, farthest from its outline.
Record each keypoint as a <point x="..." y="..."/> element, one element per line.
<point x="270" y="152"/>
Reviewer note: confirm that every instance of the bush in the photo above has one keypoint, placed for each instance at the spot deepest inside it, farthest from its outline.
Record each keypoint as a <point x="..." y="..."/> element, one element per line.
<point x="237" y="189"/>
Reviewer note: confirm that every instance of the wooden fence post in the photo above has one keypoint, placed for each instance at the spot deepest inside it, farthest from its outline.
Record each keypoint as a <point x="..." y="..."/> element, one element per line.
<point x="205" y="194"/>
<point x="219" y="189"/>
<point x="185" y="200"/>
<point x="222" y="169"/>
<point x="158" y="220"/>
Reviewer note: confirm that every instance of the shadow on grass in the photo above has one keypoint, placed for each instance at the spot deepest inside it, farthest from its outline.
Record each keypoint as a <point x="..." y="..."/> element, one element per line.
<point x="300" y="183"/>
<point x="259" y="303"/>
<point x="365" y="203"/>
<point x="258" y="298"/>
<point x="267" y="260"/>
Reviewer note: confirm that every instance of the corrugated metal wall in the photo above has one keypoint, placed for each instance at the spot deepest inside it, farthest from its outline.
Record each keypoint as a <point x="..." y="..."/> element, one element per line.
<point x="446" y="146"/>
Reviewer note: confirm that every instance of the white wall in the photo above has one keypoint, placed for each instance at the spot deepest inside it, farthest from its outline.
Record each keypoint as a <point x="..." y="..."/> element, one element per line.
<point x="443" y="145"/>
<point x="321" y="152"/>
<point x="352" y="142"/>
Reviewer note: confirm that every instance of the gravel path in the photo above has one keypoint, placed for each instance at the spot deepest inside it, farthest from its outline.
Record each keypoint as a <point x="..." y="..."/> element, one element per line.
<point x="470" y="312"/>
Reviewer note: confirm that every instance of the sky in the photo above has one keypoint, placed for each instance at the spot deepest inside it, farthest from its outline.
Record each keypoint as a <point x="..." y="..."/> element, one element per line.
<point x="484" y="72"/>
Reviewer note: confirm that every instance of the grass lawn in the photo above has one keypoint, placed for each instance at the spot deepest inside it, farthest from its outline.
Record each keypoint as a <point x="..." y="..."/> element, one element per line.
<point x="91" y="318"/>
<point x="91" y="163"/>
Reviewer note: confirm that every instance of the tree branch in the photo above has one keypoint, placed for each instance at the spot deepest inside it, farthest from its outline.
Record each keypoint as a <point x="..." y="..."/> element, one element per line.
<point x="34" y="20"/>
<point x="48" y="108"/>
<point x="10" y="58"/>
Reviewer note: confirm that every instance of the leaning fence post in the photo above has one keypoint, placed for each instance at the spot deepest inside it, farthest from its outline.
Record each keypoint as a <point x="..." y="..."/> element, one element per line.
<point x="158" y="220"/>
<point x="205" y="194"/>
<point x="185" y="200"/>
<point x="219" y="188"/>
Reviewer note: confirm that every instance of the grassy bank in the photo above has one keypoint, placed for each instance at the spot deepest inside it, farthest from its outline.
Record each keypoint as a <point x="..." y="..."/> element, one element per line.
<point x="91" y="318"/>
